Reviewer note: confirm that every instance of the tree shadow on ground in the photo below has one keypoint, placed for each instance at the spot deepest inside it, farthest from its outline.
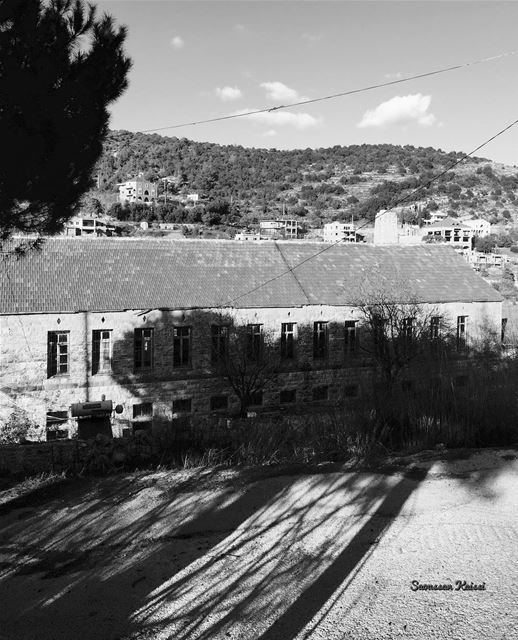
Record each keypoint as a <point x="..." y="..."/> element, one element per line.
<point x="121" y="551"/>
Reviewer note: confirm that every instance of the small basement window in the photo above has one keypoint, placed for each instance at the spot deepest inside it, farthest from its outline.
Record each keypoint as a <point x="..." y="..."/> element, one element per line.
<point x="182" y="405"/>
<point x="288" y="396"/>
<point x="351" y="391"/>
<point x="219" y="403"/>
<point x="142" y="411"/>
<point x="320" y="393"/>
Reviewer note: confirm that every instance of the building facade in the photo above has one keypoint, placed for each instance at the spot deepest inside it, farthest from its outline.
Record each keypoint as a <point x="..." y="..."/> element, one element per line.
<point x="280" y="228"/>
<point x="138" y="191"/>
<point x="135" y="330"/>
<point x="340" y="232"/>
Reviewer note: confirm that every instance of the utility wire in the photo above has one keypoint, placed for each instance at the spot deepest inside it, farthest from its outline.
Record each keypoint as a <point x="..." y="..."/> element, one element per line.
<point x="393" y="206"/>
<point x="333" y="95"/>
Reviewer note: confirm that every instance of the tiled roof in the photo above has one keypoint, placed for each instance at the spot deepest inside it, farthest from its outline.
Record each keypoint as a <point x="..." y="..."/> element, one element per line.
<point x="103" y="274"/>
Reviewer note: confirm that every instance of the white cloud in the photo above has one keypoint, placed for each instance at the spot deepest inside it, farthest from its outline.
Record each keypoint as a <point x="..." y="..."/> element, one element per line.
<point x="270" y="133"/>
<point x="241" y="28"/>
<point x="279" y="91"/>
<point x="400" y="110"/>
<point x="178" y="42"/>
<point x="299" y="120"/>
<point x="228" y="93"/>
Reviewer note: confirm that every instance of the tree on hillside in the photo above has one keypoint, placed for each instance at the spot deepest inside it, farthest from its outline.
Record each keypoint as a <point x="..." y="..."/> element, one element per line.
<point x="60" y="68"/>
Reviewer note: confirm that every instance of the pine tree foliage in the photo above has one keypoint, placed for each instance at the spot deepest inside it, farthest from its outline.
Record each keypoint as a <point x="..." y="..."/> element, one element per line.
<point x="60" y="68"/>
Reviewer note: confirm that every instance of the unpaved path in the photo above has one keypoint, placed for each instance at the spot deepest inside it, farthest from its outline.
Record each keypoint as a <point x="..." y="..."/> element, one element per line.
<point x="266" y="555"/>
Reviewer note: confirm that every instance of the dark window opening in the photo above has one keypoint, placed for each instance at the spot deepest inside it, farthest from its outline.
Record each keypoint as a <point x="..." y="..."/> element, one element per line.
<point x="320" y="340"/>
<point x="253" y="342"/>
<point x="288" y="340"/>
<point x="350" y="337"/>
<point x="462" y="334"/>
<point x="320" y="393"/>
<point x="144" y="410"/>
<point x="219" y="335"/>
<point x="57" y="353"/>
<point x="219" y="403"/>
<point x="351" y="391"/>
<point x="143" y="349"/>
<point x="435" y="328"/>
<point x="288" y="396"/>
<point x="181" y="346"/>
<point x="182" y="405"/>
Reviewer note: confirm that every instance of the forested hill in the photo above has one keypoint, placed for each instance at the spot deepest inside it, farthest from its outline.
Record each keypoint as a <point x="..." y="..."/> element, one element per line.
<point x="315" y="184"/>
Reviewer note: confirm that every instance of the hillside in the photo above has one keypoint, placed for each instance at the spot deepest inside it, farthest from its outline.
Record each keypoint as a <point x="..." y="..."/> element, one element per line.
<point x="313" y="184"/>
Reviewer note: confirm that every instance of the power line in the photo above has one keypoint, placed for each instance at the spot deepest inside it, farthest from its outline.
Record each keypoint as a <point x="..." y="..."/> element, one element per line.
<point x="333" y="95"/>
<point x="393" y="206"/>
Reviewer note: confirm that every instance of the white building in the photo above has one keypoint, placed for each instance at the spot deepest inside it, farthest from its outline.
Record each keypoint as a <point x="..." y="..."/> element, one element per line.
<point x="480" y="227"/>
<point x="340" y="232"/>
<point x="137" y="191"/>
<point x="280" y="228"/>
<point x="79" y="226"/>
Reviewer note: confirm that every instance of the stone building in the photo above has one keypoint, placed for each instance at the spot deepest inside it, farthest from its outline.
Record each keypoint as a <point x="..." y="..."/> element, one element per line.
<point x="132" y="326"/>
<point x="138" y="191"/>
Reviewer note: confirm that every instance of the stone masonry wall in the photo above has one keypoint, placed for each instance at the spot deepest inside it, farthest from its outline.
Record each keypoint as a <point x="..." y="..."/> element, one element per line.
<point x="23" y="358"/>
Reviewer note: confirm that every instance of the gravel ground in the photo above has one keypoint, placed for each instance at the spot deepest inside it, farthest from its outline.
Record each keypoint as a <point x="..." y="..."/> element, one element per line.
<point x="268" y="554"/>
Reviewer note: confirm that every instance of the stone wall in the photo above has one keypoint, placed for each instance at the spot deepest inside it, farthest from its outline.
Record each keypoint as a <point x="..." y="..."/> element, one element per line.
<point x="23" y="359"/>
<point x="40" y="457"/>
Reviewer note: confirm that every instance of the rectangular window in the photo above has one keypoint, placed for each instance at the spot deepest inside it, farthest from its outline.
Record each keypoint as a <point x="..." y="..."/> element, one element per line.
<point x="320" y="393"/>
<point x="181" y="346"/>
<point x="101" y="351"/>
<point x="254" y="342"/>
<point x="219" y="403"/>
<point x="288" y="340"/>
<point x="143" y="349"/>
<point x="142" y="411"/>
<point x="182" y="405"/>
<point x="435" y="327"/>
<point x="502" y="330"/>
<point x="219" y="335"/>
<point x="320" y="340"/>
<point x="288" y="396"/>
<point x="462" y="332"/>
<point x="407" y="330"/>
<point x="350" y="337"/>
<point x="57" y="353"/>
<point x="351" y="391"/>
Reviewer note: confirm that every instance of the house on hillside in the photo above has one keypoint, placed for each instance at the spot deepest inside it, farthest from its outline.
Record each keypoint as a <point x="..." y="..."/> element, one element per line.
<point x="341" y="232"/>
<point x="126" y="334"/>
<point x="280" y="228"/>
<point x="137" y="191"/>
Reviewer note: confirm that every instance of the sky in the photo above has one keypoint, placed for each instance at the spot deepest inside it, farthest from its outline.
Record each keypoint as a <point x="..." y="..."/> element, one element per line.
<point x="194" y="60"/>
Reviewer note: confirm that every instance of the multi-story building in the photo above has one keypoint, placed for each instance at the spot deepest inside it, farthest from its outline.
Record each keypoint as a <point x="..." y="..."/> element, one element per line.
<point x="79" y="226"/>
<point x="137" y="191"/>
<point x="458" y="234"/>
<point x="138" y="325"/>
<point x="280" y="228"/>
<point x="341" y="232"/>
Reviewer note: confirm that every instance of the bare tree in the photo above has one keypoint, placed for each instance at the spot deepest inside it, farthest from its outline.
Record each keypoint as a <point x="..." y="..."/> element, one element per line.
<point x="245" y="356"/>
<point x="400" y="328"/>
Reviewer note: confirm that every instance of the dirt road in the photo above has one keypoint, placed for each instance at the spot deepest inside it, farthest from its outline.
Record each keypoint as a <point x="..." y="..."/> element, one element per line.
<point x="267" y="555"/>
